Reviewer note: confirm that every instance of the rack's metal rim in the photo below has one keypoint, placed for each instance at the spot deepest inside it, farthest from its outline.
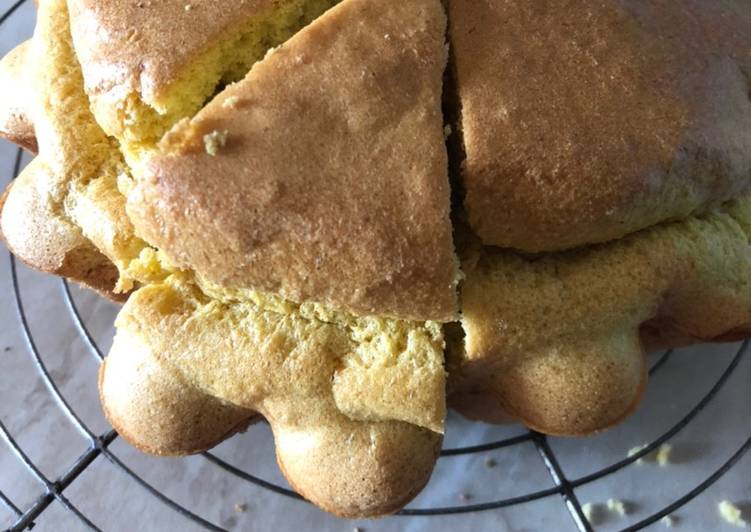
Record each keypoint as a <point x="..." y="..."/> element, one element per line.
<point x="38" y="362"/>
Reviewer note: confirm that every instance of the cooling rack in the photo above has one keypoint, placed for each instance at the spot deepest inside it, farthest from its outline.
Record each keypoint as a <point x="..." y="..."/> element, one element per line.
<point x="551" y="476"/>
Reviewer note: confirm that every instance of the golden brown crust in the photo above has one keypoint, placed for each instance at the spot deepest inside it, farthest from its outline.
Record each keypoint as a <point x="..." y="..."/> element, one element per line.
<point x="573" y="395"/>
<point x="45" y="241"/>
<point x="584" y="121"/>
<point x="354" y="213"/>
<point x="15" y="122"/>
<point x="184" y="371"/>
<point x="144" y="46"/>
<point x="170" y="56"/>
<point x="380" y="469"/>
<point x="557" y="340"/>
<point x="160" y="413"/>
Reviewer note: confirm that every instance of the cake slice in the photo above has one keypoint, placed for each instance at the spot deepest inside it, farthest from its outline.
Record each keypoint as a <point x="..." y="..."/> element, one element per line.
<point x="66" y="215"/>
<point x="321" y="176"/>
<point x="355" y="403"/>
<point x="71" y="188"/>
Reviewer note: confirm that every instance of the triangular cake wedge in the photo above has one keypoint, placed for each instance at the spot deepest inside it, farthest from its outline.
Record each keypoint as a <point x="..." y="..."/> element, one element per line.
<point x="322" y="176"/>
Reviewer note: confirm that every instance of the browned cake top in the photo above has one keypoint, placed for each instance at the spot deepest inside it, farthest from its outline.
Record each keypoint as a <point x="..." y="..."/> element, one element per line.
<point x="331" y="182"/>
<point x="587" y="120"/>
<point x="143" y="45"/>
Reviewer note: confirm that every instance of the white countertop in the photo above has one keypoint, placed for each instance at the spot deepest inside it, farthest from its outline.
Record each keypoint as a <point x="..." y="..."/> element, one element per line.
<point x="113" y="500"/>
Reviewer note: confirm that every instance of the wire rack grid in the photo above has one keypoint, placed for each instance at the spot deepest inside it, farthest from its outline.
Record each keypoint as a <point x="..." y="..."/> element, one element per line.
<point x="563" y="487"/>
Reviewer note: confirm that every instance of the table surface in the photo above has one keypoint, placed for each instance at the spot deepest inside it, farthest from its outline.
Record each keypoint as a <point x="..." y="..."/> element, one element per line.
<point x="110" y="497"/>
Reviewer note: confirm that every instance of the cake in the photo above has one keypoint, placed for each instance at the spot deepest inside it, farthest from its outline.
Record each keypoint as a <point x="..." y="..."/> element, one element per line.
<point x="315" y="214"/>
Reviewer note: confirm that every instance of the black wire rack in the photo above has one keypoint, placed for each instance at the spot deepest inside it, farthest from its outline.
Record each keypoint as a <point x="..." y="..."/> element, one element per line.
<point x="98" y="445"/>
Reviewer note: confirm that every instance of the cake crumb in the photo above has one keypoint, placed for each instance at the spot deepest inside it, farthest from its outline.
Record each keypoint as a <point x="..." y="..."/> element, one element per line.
<point x="619" y="507"/>
<point x="214" y="141"/>
<point x="464" y="497"/>
<point x="591" y="512"/>
<point x="636" y="450"/>
<point x="663" y="454"/>
<point x="241" y="508"/>
<point x="490" y="463"/>
<point x="231" y="102"/>
<point x="668" y="521"/>
<point x="732" y="514"/>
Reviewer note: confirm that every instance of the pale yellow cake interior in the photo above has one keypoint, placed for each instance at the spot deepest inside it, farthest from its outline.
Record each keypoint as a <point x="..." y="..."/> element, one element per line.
<point x="84" y="163"/>
<point x="144" y="123"/>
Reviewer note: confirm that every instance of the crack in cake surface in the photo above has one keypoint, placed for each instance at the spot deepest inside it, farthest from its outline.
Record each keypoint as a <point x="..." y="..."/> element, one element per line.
<point x="140" y="85"/>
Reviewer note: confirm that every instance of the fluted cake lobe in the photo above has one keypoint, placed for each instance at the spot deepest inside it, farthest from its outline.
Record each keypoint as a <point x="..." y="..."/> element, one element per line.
<point x="558" y="341"/>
